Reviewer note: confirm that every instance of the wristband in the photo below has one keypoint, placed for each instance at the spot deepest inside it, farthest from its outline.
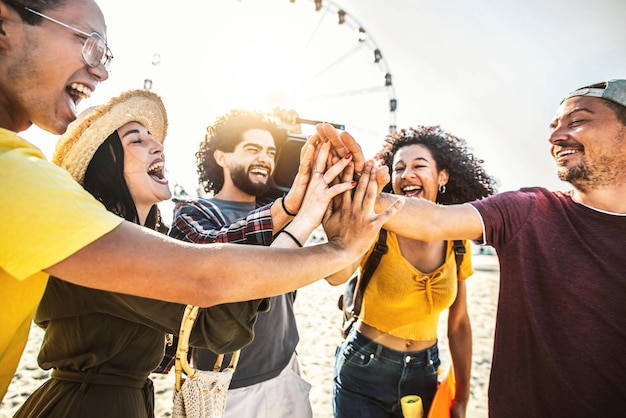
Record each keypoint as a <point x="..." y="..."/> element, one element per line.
<point x="282" y="202"/>
<point x="291" y="236"/>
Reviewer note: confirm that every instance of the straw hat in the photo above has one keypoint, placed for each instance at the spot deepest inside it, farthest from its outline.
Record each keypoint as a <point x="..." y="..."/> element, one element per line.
<point x="79" y="143"/>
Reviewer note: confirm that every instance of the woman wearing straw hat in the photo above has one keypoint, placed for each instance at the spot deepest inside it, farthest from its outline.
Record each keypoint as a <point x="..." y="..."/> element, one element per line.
<point x="103" y="345"/>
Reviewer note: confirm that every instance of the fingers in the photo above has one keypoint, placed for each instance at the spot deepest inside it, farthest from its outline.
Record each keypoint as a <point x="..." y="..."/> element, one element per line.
<point x="312" y="142"/>
<point x="307" y="154"/>
<point x="321" y="158"/>
<point x="294" y="196"/>
<point x="338" y="169"/>
<point x="382" y="177"/>
<point x="367" y="191"/>
<point x="362" y="187"/>
<point x="354" y="148"/>
<point x="389" y="212"/>
<point x="333" y="136"/>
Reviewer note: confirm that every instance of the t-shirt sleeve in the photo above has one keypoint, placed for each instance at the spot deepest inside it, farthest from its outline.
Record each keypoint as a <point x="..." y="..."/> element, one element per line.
<point x="45" y="216"/>
<point x="504" y="213"/>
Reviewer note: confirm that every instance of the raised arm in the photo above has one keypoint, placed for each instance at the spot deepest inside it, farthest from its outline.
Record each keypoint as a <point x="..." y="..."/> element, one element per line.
<point x="134" y="260"/>
<point x="418" y="219"/>
<point x="427" y="221"/>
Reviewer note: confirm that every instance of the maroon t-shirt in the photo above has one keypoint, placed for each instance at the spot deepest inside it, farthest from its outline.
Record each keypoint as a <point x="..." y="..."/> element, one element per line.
<point x="560" y="340"/>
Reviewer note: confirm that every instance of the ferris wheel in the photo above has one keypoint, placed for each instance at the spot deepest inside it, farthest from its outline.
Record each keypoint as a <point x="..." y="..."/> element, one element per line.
<point x="342" y="71"/>
<point x="312" y="56"/>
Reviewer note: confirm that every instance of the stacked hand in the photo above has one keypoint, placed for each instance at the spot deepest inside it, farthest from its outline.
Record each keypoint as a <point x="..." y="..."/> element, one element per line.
<point x="342" y="145"/>
<point x="323" y="184"/>
<point x="353" y="224"/>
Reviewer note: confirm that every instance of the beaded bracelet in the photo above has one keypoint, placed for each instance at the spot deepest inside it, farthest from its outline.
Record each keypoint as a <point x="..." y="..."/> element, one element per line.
<point x="291" y="236"/>
<point x="282" y="202"/>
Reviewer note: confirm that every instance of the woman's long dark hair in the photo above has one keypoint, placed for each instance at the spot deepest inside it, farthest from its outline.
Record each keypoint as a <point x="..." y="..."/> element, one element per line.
<point x="104" y="179"/>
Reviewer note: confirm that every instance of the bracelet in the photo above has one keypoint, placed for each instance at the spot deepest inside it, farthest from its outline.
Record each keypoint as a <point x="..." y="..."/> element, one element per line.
<point x="290" y="236"/>
<point x="282" y="202"/>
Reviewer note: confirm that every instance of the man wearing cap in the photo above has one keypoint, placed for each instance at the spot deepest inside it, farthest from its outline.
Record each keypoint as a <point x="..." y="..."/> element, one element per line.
<point x="235" y="163"/>
<point x="560" y="333"/>
<point x="52" y="55"/>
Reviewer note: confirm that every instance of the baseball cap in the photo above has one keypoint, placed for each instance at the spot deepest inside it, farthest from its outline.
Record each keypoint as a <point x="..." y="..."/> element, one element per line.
<point x="613" y="90"/>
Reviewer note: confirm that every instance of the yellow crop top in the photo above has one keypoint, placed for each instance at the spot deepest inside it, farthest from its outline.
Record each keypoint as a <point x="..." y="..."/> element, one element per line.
<point x="402" y="301"/>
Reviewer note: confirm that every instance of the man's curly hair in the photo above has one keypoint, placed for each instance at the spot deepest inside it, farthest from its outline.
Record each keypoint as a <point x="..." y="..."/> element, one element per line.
<point x="224" y="135"/>
<point x="467" y="181"/>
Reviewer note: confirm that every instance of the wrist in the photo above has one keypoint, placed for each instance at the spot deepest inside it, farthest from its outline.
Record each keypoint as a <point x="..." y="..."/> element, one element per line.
<point x="285" y="209"/>
<point x="291" y="236"/>
<point x="302" y="226"/>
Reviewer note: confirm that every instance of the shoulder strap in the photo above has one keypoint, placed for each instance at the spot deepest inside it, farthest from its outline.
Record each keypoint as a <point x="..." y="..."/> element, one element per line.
<point x="459" y="252"/>
<point x="371" y="264"/>
<point x="374" y="259"/>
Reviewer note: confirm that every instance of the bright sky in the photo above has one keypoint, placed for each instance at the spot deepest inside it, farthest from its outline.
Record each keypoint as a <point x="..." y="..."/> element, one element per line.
<point x="491" y="72"/>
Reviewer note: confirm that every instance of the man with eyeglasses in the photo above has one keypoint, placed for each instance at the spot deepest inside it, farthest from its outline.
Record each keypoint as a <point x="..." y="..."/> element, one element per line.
<point x="95" y="49"/>
<point x="52" y="55"/>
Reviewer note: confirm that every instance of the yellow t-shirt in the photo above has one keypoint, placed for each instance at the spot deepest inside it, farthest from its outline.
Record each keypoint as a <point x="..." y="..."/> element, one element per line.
<point x="406" y="303"/>
<point x="45" y="216"/>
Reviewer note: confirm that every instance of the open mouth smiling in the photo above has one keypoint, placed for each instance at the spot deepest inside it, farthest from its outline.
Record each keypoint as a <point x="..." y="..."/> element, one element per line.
<point x="412" y="190"/>
<point x="156" y="172"/>
<point x="260" y="171"/>
<point x="79" y="91"/>
<point x="563" y="153"/>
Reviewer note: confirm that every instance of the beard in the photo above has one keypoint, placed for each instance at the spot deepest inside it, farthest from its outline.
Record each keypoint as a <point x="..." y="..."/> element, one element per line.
<point x="241" y="180"/>
<point x="587" y="177"/>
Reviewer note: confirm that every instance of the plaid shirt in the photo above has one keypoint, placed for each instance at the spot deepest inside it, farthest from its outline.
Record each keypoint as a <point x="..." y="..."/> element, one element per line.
<point x="201" y="221"/>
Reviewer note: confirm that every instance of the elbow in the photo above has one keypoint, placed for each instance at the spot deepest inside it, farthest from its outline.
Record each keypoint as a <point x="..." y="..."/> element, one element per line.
<point x="333" y="281"/>
<point x="460" y="330"/>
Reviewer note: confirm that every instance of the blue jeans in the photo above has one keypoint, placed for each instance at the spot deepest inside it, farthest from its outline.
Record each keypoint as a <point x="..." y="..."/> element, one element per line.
<point x="369" y="378"/>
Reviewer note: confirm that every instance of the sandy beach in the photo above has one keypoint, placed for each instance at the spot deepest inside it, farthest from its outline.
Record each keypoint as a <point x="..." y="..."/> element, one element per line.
<point x="318" y="321"/>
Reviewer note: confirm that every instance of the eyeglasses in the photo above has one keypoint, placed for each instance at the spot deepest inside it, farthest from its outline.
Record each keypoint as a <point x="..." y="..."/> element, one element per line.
<point x="95" y="49"/>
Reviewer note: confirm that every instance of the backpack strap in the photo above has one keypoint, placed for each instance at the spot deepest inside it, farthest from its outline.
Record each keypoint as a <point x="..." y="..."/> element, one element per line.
<point x="370" y="266"/>
<point x="459" y="253"/>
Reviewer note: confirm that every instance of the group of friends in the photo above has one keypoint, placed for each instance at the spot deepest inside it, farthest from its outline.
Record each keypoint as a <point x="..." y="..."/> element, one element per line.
<point x="84" y="252"/>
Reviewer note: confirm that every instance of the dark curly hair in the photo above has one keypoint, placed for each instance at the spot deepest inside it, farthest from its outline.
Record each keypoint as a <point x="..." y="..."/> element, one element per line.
<point x="467" y="181"/>
<point x="224" y="135"/>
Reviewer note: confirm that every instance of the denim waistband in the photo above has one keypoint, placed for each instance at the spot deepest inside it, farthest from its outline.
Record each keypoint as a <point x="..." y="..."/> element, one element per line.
<point x="426" y="356"/>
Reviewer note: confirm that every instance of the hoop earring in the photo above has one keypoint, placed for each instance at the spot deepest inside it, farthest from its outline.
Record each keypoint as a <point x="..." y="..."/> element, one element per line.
<point x="442" y="189"/>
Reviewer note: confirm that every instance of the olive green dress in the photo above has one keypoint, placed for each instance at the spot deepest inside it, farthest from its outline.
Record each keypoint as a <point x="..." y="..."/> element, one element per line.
<point x="102" y="347"/>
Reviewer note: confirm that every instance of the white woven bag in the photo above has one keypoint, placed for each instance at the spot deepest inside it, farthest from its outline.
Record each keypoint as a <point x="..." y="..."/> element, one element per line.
<point x="203" y="393"/>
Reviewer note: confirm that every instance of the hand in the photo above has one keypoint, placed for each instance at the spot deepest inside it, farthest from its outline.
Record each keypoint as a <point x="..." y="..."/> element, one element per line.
<point x="308" y="153"/>
<point x="322" y="188"/>
<point x="382" y="175"/>
<point x="458" y="410"/>
<point x="342" y="144"/>
<point x="354" y="224"/>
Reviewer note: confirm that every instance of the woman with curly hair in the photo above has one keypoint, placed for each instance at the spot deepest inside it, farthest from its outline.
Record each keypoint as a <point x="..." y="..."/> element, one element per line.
<point x="392" y="349"/>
